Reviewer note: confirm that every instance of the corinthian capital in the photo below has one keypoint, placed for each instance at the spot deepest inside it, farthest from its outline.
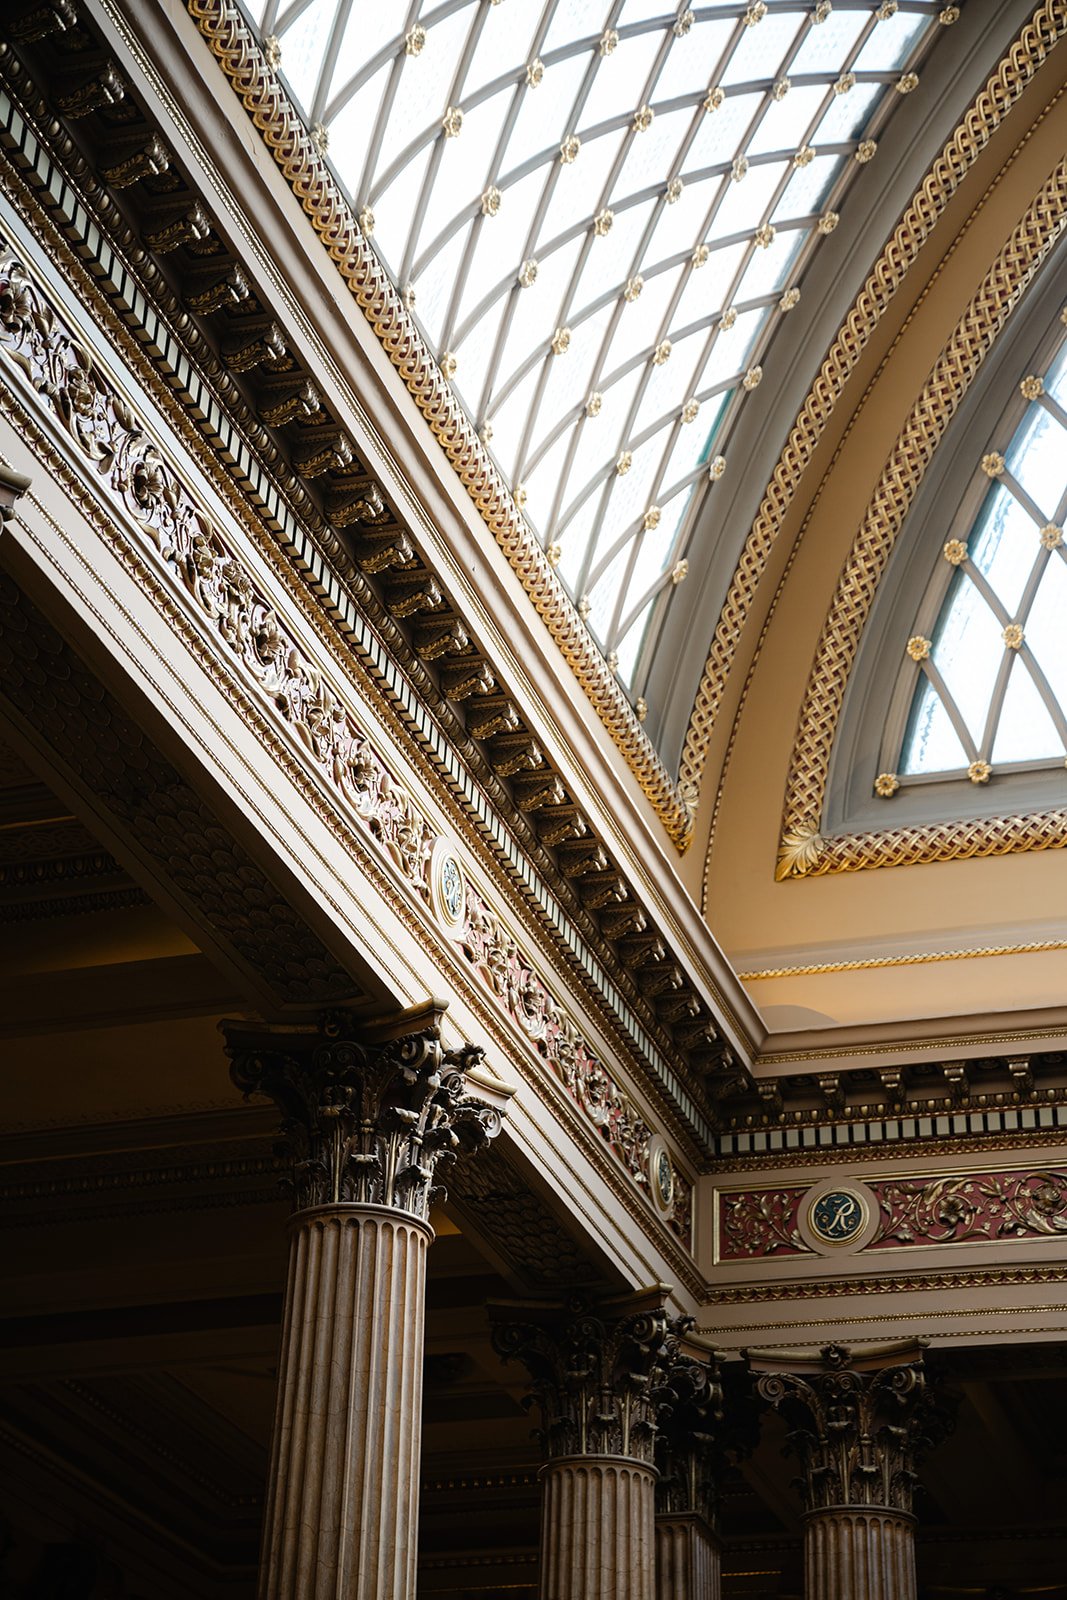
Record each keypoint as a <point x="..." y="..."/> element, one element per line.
<point x="597" y="1372"/>
<point x="858" y="1424"/>
<point x="690" y="1452"/>
<point x="370" y="1114"/>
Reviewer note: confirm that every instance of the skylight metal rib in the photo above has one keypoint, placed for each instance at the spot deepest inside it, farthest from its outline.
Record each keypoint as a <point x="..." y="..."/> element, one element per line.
<point x="437" y="71"/>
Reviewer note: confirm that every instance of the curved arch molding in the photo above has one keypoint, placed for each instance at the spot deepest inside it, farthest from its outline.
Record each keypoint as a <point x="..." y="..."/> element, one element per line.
<point x="802" y="849"/>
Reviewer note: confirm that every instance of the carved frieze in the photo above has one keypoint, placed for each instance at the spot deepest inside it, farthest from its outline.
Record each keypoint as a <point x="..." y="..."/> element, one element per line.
<point x="908" y="1212"/>
<point x="179" y="537"/>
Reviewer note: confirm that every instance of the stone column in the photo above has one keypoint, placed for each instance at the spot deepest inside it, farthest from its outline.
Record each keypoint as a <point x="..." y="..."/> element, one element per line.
<point x="369" y="1118"/>
<point x="858" y="1426"/>
<point x="594" y="1372"/>
<point x="689" y="1457"/>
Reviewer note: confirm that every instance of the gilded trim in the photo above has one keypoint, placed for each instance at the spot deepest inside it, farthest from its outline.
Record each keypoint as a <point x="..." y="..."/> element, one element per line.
<point x="1014" y="73"/>
<point x="253" y="78"/>
<point x="915" y="959"/>
<point x="803" y="851"/>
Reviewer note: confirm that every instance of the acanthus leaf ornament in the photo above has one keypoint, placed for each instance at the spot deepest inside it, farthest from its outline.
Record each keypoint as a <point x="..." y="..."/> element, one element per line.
<point x="857" y="1429"/>
<point x="368" y="1121"/>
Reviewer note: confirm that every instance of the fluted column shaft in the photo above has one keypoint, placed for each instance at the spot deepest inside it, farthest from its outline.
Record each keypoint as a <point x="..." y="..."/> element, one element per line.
<point x="342" y="1509"/>
<point x="860" y="1553"/>
<point x="688" y="1559"/>
<point x="597" y="1529"/>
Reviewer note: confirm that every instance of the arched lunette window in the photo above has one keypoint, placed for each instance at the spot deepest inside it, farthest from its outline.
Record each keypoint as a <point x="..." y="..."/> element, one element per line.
<point x="987" y="653"/>
<point x="599" y="210"/>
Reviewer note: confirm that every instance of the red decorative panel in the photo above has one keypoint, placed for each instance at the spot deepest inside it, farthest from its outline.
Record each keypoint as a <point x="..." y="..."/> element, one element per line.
<point x="950" y="1208"/>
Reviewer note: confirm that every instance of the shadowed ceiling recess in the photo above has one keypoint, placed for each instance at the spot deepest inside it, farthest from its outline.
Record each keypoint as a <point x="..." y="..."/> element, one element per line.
<point x="598" y="210"/>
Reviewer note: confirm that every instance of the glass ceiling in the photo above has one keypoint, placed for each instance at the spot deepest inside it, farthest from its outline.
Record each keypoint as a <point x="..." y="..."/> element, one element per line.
<point x="598" y="210"/>
<point x="991" y="693"/>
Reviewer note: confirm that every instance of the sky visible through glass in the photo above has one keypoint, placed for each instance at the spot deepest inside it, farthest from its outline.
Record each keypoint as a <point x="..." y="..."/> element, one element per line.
<point x="993" y="675"/>
<point x="598" y="210"/>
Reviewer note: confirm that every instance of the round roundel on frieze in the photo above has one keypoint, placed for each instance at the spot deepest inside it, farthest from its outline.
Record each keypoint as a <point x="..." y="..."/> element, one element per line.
<point x="661" y="1176"/>
<point x="448" y="887"/>
<point x="837" y="1215"/>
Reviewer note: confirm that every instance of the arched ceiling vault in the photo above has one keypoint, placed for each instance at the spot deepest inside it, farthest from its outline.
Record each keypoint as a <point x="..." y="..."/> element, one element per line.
<point x="938" y="945"/>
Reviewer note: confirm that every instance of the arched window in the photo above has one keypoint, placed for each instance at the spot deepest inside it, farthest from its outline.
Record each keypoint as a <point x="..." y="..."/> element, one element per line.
<point x="599" y="210"/>
<point x="988" y="649"/>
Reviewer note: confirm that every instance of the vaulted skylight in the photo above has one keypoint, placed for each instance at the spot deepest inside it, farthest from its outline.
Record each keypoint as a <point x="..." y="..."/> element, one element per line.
<point x="991" y="695"/>
<point x="598" y="210"/>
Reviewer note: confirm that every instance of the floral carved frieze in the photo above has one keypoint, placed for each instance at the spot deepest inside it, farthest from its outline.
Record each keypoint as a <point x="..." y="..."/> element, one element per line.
<point x="907" y="1212"/>
<point x="179" y="537"/>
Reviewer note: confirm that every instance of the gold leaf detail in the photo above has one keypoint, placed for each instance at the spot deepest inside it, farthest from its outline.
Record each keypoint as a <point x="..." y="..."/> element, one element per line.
<point x="804" y="156"/>
<point x="1051" y="536"/>
<point x="780" y="89"/>
<point x="643" y="119"/>
<point x="448" y="364"/>
<point x="366" y="221"/>
<point x="640" y="709"/>
<point x="955" y="552"/>
<point x="651" y="518"/>
<point x="561" y="341"/>
<point x="845" y="82"/>
<point x="918" y="648"/>
<point x="790" y="299"/>
<point x="608" y="41"/>
<point x="602" y="222"/>
<point x="679" y="572"/>
<point x="452" y="122"/>
<point x="674" y="191"/>
<point x="691" y="410"/>
<point x="528" y="273"/>
<point x="414" y="40"/>
<point x="798" y="853"/>
<point x="661" y="353"/>
<point x="568" y="150"/>
<point x="633" y="288"/>
<point x="739" y="168"/>
<point x="1031" y="388"/>
<point x="624" y="462"/>
<point x="700" y="255"/>
<point x="907" y="83"/>
<point x="979" y="771"/>
<point x="886" y="785"/>
<point x="728" y="319"/>
<point x="865" y="151"/>
<point x="491" y="201"/>
<point x="684" y="23"/>
<point x="764" y="235"/>
<point x="535" y="72"/>
<point x="828" y="222"/>
<point x="554" y="555"/>
<point x="716" y="468"/>
<point x="714" y="98"/>
<point x="993" y="464"/>
<point x="1013" y="635"/>
<point x="752" y="379"/>
<point x="594" y="403"/>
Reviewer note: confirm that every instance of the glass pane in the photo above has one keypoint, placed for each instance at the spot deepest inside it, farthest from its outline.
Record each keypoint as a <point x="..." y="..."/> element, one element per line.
<point x="1004" y="546"/>
<point x="1046" y="627"/>
<point x="891" y="42"/>
<point x="304" y="48"/>
<point x="1026" y="730"/>
<point x="968" y="652"/>
<point x="931" y="743"/>
<point x="1037" y="458"/>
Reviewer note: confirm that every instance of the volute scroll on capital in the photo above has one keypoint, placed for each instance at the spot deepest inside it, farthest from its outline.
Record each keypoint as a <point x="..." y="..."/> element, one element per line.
<point x="858" y="1426"/>
<point x="370" y="1114"/>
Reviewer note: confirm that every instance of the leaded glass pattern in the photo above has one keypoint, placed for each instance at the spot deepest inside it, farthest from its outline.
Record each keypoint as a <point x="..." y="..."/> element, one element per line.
<point x="598" y="210"/>
<point x="991" y="674"/>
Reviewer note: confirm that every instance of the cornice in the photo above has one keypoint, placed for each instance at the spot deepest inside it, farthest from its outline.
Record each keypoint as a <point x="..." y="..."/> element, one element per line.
<point x="254" y="79"/>
<point x="585" y="888"/>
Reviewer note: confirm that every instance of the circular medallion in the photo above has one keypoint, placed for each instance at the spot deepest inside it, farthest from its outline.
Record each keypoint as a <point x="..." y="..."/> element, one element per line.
<point x="452" y="887"/>
<point x="448" y="887"/>
<point x="661" y="1176"/>
<point x="837" y="1215"/>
